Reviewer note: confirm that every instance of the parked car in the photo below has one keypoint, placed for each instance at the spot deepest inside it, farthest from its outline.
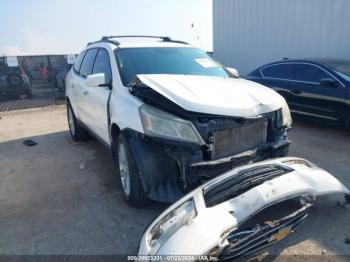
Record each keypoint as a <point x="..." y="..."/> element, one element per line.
<point x="317" y="88"/>
<point x="171" y="115"/>
<point x="240" y="212"/>
<point x="14" y="82"/>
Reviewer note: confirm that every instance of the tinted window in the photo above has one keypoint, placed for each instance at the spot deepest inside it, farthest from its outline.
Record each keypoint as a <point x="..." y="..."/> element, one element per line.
<point x="166" y="60"/>
<point x="255" y="73"/>
<point x="281" y="71"/>
<point x="103" y="65"/>
<point x="342" y="68"/>
<point x="88" y="62"/>
<point x="309" y="73"/>
<point x="78" y="61"/>
<point x="339" y="65"/>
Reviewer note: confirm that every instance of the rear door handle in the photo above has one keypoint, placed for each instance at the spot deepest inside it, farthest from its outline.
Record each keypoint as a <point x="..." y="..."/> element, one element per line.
<point x="86" y="92"/>
<point x="296" y="91"/>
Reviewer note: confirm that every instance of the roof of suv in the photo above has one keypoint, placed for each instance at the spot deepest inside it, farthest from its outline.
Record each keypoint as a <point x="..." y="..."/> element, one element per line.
<point x="140" y="41"/>
<point x="151" y="44"/>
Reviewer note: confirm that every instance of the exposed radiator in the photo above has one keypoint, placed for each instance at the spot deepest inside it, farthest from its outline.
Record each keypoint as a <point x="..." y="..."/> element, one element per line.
<point x="239" y="139"/>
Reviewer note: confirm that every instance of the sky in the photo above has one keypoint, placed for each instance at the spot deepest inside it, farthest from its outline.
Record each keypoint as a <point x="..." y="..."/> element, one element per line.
<point x="65" y="26"/>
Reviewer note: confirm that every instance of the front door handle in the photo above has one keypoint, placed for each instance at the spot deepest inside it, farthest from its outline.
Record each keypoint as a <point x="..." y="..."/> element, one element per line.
<point x="296" y="91"/>
<point x="86" y="92"/>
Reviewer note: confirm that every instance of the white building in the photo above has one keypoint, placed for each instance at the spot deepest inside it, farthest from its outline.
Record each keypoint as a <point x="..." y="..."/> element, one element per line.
<point x="250" y="33"/>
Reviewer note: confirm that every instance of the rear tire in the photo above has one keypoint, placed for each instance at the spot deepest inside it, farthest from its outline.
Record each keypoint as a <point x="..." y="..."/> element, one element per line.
<point x="77" y="132"/>
<point x="128" y="172"/>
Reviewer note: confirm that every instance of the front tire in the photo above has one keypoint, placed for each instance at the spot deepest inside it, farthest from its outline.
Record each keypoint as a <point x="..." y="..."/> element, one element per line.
<point x="128" y="172"/>
<point x="77" y="132"/>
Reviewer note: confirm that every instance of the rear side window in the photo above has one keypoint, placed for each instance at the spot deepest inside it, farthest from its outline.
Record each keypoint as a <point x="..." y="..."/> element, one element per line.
<point x="88" y="62"/>
<point x="309" y="73"/>
<point x="103" y="65"/>
<point x="255" y="73"/>
<point x="78" y="61"/>
<point x="281" y="71"/>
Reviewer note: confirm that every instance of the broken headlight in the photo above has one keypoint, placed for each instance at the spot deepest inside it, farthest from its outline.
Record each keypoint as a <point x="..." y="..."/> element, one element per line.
<point x="164" y="125"/>
<point x="169" y="224"/>
<point x="286" y="116"/>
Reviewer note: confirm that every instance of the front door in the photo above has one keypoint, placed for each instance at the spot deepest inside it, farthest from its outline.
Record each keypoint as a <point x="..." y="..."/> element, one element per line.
<point x="325" y="102"/>
<point x="97" y="98"/>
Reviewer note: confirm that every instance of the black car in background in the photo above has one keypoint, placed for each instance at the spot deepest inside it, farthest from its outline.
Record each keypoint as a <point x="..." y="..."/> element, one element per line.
<point x="317" y="88"/>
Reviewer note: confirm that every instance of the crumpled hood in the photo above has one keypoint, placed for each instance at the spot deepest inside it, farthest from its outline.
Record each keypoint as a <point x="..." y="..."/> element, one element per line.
<point x="215" y="95"/>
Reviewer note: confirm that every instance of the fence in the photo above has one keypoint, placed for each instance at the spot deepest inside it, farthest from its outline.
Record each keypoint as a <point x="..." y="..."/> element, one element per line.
<point x="33" y="81"/>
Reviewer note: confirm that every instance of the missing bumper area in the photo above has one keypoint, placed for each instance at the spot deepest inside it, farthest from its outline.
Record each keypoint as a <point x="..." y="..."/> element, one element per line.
<point x="239" y="139"/>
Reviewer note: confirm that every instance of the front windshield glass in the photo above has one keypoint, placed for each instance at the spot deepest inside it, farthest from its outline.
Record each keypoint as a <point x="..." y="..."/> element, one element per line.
<point x="166" y="60"/>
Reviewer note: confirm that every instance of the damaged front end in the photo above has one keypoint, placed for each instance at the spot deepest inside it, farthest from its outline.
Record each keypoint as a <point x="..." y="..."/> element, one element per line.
<point x="241" y="211"/>
<point x="209" y="144"/>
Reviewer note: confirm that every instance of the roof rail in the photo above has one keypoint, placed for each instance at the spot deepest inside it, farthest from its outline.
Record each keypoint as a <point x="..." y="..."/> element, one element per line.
<point x="105" y="40"/>
<point x="108" y="39"/>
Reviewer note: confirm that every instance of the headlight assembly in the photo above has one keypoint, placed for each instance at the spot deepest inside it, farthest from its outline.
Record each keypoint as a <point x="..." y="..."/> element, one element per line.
<point x="164" y="125"/>
<point x="169" y="224"/>
<point x="286" y="116"/>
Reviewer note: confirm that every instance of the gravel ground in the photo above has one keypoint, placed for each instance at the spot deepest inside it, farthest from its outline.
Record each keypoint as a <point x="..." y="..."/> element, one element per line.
<point x="52" y="204"/>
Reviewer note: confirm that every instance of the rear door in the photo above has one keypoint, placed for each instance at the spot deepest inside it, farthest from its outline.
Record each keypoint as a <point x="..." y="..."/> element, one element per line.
<point x="278" y="76"/>
<point x="316" y="100"/>
<point x="96" y="99"/>
<point x="81" y="89"/>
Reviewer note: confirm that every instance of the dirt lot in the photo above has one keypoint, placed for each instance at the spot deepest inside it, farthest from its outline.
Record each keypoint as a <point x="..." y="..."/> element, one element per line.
<point x="50" y="204"/>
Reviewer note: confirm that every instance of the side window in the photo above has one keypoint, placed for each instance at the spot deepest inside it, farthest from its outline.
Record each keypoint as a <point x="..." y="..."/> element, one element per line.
<point x="78" y="61"/>
<point x="255" y="73"/>
<point x="103" y="65"/>
<point x="281" y="71"/>
<point x="309" y="73"/>
<point x="88" y="62"/>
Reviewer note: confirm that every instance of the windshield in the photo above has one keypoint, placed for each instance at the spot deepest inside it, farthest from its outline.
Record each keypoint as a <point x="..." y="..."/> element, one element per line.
<point x="166" y="60"/>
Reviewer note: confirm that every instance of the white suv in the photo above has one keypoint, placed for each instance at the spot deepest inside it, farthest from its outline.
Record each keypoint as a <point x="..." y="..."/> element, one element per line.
<point x="172" y="116"/>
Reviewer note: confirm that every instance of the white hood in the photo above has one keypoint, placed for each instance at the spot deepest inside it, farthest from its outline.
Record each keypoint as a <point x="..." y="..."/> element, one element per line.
<point x="215" y="95"/>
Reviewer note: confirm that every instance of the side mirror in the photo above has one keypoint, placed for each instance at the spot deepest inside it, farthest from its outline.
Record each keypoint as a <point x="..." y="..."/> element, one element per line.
<point x="95" y="80"/>
<point x="233" y="71"/>
<point x="329" y="82"/>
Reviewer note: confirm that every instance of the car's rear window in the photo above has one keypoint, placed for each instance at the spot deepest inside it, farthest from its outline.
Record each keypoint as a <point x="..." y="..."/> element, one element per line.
<point x="280" y="71"/>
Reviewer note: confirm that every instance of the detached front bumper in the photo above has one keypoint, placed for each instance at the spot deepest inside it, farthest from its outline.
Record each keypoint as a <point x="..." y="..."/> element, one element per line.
<point x="240" y="212"/>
